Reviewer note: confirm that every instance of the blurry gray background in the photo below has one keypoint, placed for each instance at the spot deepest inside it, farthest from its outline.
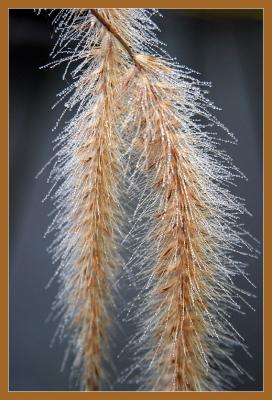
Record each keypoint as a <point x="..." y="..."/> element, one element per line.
<point x="226" y="47"/>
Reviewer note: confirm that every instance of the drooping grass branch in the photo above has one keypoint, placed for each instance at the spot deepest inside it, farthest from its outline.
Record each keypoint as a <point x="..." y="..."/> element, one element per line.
<point x="186" y="230"/>
<point x="189" y="235"/>
<point x="88" y="210"/>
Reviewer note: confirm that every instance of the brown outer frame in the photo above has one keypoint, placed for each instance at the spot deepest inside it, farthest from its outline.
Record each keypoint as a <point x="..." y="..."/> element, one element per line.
<point x="266" y="5"/>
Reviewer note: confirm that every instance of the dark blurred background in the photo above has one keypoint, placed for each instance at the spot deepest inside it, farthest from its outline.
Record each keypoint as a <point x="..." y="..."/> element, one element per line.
<point x="226" y="47"/>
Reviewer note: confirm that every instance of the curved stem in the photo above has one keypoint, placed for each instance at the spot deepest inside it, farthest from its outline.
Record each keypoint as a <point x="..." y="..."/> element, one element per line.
<point x="117" y="36"/>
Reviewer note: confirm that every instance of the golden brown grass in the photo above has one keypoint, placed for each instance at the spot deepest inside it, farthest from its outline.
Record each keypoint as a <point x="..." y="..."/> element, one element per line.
<point x="185" y="232"/>
<point x="187" y="225"/>
<point x="89" y="212"/>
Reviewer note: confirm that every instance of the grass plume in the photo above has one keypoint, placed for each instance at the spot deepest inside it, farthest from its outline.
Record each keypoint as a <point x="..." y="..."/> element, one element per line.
<point x="186" y="233"/>
<point x="88" y="172"/>
<point x="187" y="239"/>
